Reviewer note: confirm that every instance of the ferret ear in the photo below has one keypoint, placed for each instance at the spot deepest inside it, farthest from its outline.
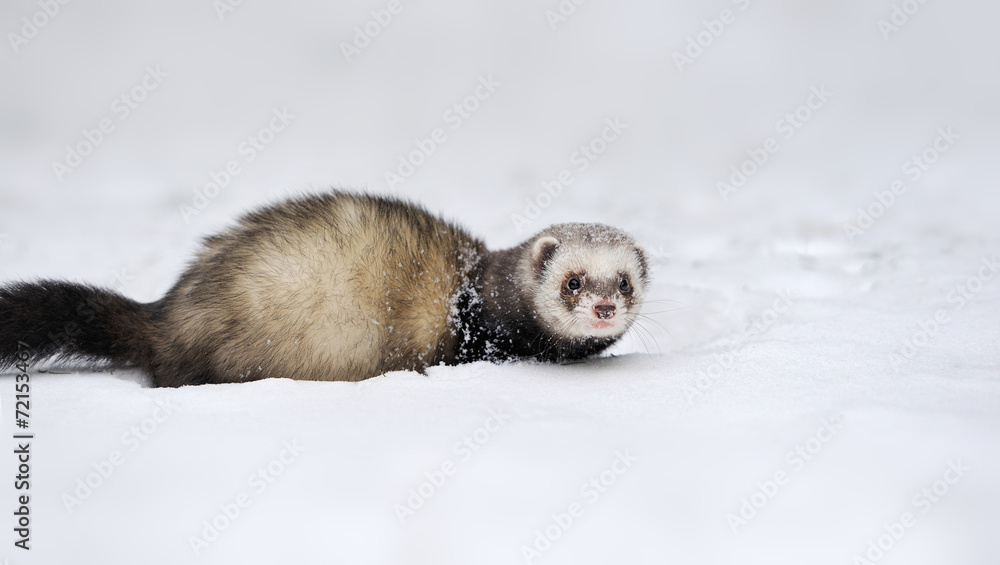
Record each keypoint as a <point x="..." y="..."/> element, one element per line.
<point x="542" y="251"/>
<point x="640" y="252"/>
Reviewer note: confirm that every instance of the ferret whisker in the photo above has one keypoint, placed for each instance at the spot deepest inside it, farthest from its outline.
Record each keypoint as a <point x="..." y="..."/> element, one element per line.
<point x="653" y="321"/>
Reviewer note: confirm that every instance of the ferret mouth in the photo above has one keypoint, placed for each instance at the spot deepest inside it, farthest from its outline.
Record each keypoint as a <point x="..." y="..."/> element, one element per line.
<point x="590" y="325"/>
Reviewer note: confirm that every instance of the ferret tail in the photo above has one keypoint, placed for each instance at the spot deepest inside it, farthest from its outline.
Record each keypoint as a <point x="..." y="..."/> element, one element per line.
<point x="73" y="322"/>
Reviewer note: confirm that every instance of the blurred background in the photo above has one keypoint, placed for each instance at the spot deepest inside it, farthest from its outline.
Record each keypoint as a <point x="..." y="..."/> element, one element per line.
<point x="131" y="129"/>
<point x="560" y="69"/>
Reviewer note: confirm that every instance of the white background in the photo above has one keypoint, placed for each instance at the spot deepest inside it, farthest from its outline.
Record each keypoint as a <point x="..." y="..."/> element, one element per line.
<point x="701" y="443"/>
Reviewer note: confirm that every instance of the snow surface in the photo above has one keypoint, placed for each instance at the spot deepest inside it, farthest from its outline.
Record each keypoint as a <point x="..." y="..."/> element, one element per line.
<point x="768" y="330"/>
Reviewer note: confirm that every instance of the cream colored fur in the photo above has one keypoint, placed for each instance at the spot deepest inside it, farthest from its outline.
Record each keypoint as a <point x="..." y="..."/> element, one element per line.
<point x="345" y="292"/>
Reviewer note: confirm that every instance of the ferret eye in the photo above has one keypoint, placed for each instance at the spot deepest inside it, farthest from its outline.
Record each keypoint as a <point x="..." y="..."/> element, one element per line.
<point x="573" y="284"/>
<point x="624" y="286"/>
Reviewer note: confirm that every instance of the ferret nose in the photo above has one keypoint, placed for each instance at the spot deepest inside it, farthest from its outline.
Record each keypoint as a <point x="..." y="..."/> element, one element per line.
<point x="604" y="310"/>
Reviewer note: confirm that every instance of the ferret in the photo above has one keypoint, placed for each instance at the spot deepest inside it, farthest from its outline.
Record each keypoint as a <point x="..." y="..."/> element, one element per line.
<point x="343" y="287"/>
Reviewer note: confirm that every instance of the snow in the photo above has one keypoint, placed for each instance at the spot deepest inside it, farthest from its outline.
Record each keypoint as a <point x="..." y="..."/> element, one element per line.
<point x="773" y="347"/>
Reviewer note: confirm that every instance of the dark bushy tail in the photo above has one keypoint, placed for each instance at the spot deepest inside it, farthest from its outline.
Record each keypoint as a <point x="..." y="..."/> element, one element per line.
<point x="73" y="322"/>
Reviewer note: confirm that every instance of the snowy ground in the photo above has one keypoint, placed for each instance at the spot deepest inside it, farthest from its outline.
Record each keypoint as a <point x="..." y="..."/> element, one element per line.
<point x="801" y="392"/>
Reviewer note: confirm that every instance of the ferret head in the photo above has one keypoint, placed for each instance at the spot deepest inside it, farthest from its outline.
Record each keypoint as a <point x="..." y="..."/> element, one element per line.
<point x="590" y="278"/>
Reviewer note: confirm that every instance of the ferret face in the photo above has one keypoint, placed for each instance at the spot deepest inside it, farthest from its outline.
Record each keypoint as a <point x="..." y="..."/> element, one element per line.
<point x="589" y="288"/>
